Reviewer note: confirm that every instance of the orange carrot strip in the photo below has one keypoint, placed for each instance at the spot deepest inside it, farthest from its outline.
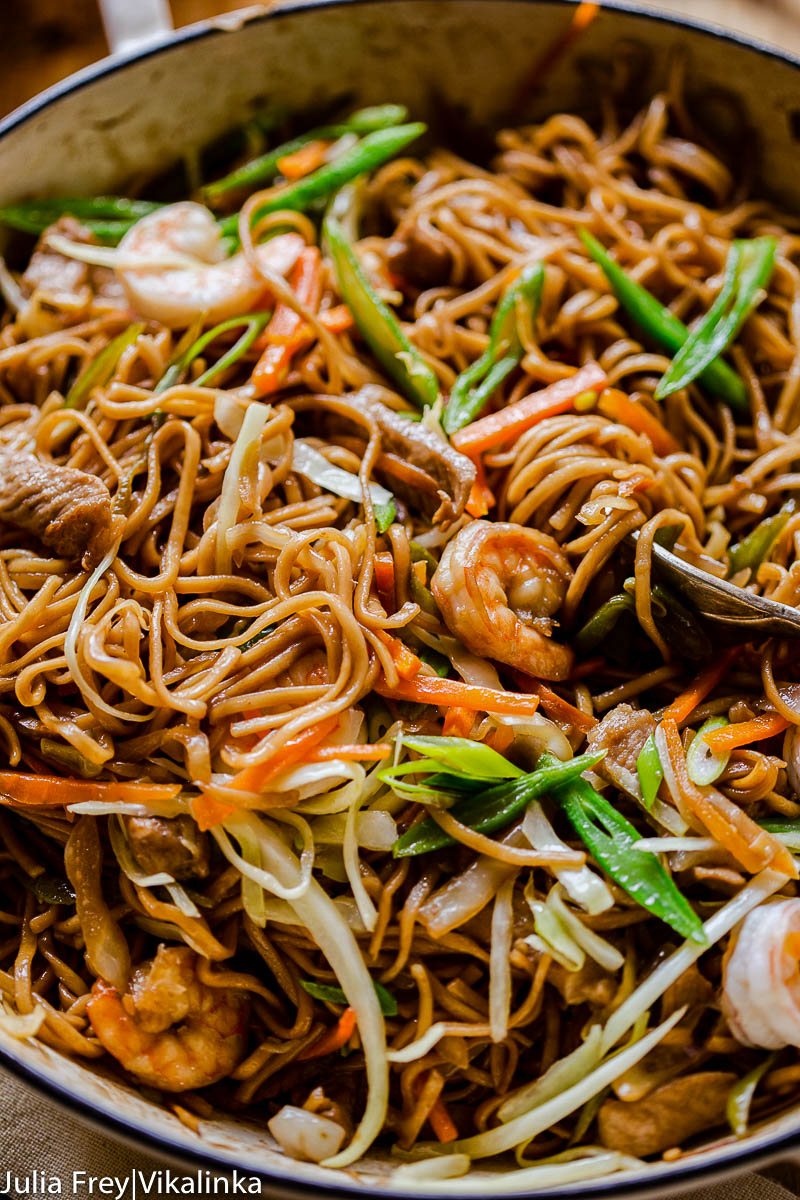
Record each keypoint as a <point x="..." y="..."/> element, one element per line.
<point x="589" y="667"/>
<point x="287" y="332"/>
<point x="481" y="496"/>
<point x="303" y="161"/>
<point x="333" y="1039"/>
<point x="500" y="738"/>
<point x="618" y="407"/>
<point x="515" y="419"/>
<point x="730" y="737"/>
<point x="338" y="319"/>
<point x="553" y="704"/>
<point x="791" y="944"/>
<point x="441" y="1122"/>
<point x="55" y="791"/>
<point x="685" y="704"/>
<point x="354" y="752"/>
<point x="209" y="811"/>
<point x="296" y="750"/>
<point x="384" y="579"/>
<point x="431" y="689"/>
<point x="749" y="844"/>
<point x="406" y="662"/>
<point x="458" y="722"/>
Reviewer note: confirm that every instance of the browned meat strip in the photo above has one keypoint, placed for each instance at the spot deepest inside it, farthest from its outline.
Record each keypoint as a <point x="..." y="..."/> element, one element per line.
<point x="174" y="845"/>
<point x="668" y="1116"/>
<point x="621" y="733"/>
<point x="66" y="509"/>
<point x="419" y="257"/>
<point x="53" y="272"/>
<point x="453" y="474"/>
<point x="590" y="985"/>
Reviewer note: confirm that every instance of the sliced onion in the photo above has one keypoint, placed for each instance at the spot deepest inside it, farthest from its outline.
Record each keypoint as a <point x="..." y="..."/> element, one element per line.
<point x="499" y="962"/>
<point x="304" y="1135"/>
<point x="603" y="953"/>
<point x="21" y="1025"/>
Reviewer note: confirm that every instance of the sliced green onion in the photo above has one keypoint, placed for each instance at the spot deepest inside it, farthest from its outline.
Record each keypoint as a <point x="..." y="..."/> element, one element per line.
<point x="254" y="324"/>
<point x="101" y="369"/>
<point x="602" y="622"/>
<point x="702" y="764"/>
<point x="610" y="838"/>
<point x="737" y="1110"/>
<point x="464" y="756"/>
<point x="650" y="772"/>
<point x="785" y="828"/>
<point x="377" y="324"/>
<point x="335" y="995"/>
<point x="747" y="271"/>
<point x="490" y="809"/>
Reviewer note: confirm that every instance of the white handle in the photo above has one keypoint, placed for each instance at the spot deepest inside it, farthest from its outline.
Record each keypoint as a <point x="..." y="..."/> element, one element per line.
<point x="130" y="24"/>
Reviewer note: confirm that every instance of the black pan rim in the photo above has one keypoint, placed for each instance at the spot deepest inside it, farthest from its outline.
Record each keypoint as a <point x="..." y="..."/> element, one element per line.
<point x="684" y="1172"/>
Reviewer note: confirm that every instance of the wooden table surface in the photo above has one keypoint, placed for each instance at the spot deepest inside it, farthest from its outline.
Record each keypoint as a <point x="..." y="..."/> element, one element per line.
<point x="44" y="40"/>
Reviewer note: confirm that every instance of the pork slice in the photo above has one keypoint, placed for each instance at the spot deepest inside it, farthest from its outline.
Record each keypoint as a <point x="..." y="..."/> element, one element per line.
<point x="54" y="273"/>
<point x="170" y="844"/>
<point x="453" y="474"/>
<point x="621" y="733"/>
<point x="666" y="1117"/>
<point x="68" y="510"/>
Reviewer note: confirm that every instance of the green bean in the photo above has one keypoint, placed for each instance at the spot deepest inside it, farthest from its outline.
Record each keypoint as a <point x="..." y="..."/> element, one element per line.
<point x="753" y="549"/>
<point x="474" y="387"/>
<point x="377" y="324"/>
<point x="266" y="166"/>
<point x="367" y="154"/>
<point x="107" y="217"/>
<point x="666" y="330"/>
<point x="495" y="807"/>
<point x="747" y="271"/>
<point x="602" y="622"/>
<point x="610" y="837"/>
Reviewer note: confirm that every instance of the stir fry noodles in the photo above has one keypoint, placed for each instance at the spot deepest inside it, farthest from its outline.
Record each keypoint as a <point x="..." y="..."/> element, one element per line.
<point x="362" y="776"/>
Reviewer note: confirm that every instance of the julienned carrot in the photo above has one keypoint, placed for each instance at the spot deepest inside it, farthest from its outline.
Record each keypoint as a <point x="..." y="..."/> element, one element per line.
<point x="353" y="752"/>
<point x="406" y="662"/>
<point x="722" y="741"/>
<point x="618" y="407"/>
<point x="684" y="705"/>
<point x="383" y="565"/>
<point x="296" y="750"/>
<point x="209" y="810"/>
<point x="432" y="689"/>
<point x="791" y="944"/>
<point x="749" y="844"/>
<point x="510" y="422"/>
<point x="500" y="738"/>
<point x="303" y="161"/>
<point x="441" y="1122"/>
<point x="338" y="319"/>
<point x="54" y="791"/>
<point x="458" y="722"/>
<point x="554" y="705"/>
<point x="287" y="332"/>
<point x="333" y="1039"/>
<point x="481" y="497"/>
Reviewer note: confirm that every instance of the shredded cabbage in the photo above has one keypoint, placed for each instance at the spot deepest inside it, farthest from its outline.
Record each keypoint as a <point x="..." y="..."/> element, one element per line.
<point x="315" y="466"/>
<point x="254" y="421"/>
<point x="580" y="883"/>
<point x="21" y="1025"/>
<point x="499" y="964"/>
<point x="375" y="830"/>
<point x="560" y="1076"/>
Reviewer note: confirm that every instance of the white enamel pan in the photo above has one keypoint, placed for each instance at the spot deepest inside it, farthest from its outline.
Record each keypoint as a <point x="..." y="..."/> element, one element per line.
<point x="461" y="64"/>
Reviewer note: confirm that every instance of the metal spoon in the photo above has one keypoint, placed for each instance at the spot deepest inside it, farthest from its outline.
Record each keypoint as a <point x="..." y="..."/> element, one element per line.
<point x="721" y="603"/>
